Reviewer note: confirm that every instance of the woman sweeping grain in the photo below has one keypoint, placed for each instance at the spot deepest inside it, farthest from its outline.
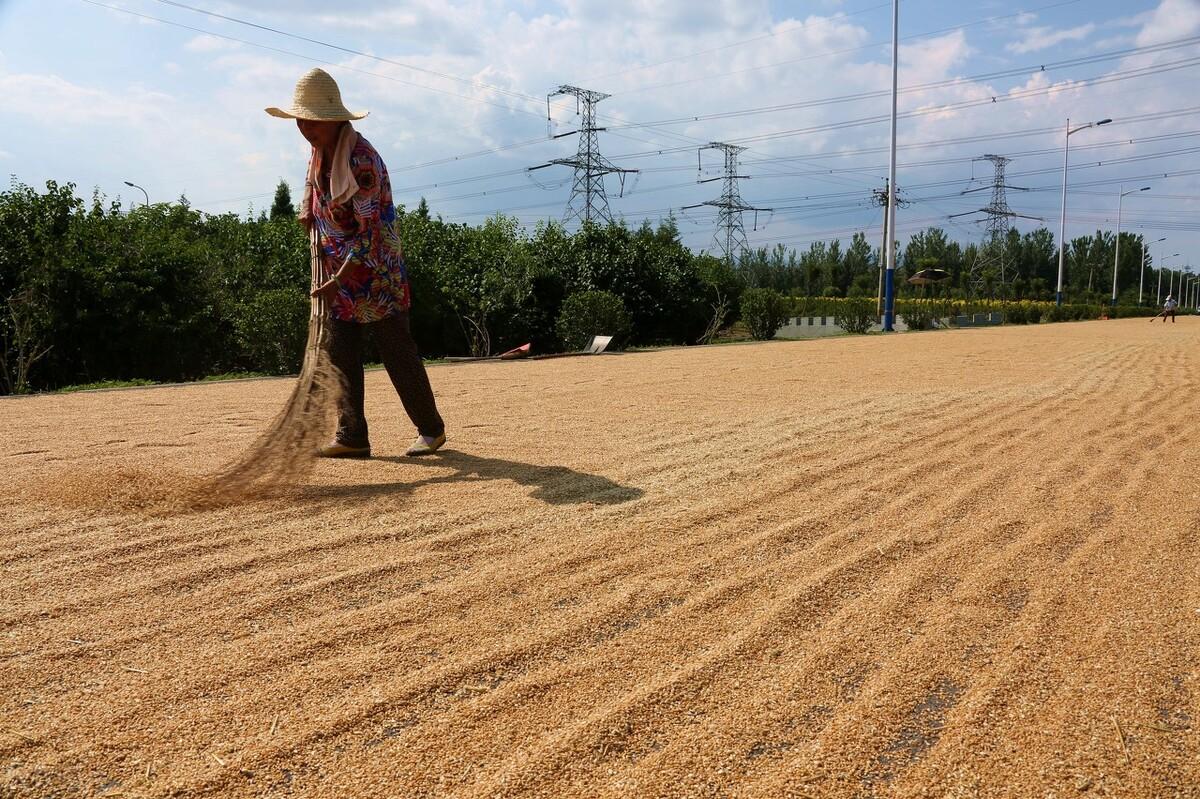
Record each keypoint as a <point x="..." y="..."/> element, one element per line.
<point x="348" y="208"/>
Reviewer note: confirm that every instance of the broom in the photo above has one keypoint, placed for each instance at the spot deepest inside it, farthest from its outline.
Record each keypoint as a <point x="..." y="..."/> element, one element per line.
<point x="287" y="449"/>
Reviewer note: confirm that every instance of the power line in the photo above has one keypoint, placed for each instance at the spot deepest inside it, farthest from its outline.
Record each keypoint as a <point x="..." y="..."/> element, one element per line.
<point x="942" y="109"/>
<point x="975" y="139"/>
<point x="859" y="48"/>
<point x="860" y="203"/>
<point x="464" y="156"/>
<point x="477" y="84"/>
<point x="467" y="81"/>
<point x="495" y="191"/>
<point x="293" y="54"/>
<point x="956" y="81"/>
<point x="1088" y="59"/>
<point x="938" y="143"/>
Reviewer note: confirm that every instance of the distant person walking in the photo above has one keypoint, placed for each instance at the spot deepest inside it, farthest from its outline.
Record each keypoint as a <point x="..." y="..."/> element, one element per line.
<point x="348" y="206"/>
<point x="1169" y="309"/>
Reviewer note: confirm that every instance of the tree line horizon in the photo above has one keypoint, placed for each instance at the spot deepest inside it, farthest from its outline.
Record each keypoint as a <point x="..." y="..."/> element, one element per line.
<point x="164" y="292"/>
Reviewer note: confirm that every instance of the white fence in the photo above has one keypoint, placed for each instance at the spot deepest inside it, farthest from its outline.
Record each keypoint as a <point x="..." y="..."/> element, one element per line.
<point x="812" y="326"/>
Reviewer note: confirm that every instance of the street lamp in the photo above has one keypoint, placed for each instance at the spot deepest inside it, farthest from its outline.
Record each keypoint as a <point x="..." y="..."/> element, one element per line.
<point x="1170" y="274"/>
<point x="1160" y="271"/>
<point x="1062" y="220"/>
<point x="1142" y="279"/>
<point x="1117" y="255"/>
<point x="139" y="188"/>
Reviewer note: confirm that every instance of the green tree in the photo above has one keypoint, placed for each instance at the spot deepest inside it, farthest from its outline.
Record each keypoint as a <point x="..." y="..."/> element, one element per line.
<point x="281" y="206"/>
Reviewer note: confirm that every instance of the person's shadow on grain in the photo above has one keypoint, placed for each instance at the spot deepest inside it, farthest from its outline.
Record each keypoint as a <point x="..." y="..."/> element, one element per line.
<point x="554" y="485"/>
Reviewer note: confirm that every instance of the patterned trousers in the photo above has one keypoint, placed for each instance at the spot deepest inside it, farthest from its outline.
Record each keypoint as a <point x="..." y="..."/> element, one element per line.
<point x="396" y="346"/>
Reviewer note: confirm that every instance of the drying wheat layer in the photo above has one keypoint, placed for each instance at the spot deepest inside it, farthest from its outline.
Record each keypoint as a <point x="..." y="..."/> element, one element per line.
<point x="954" y="564"/>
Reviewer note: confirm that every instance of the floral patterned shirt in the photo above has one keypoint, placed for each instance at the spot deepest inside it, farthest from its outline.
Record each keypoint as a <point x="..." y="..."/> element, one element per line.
<point x="363" y="229"/>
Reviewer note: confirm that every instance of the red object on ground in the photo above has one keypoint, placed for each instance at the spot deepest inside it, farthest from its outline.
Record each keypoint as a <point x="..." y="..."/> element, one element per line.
<point x="517" y="352"/>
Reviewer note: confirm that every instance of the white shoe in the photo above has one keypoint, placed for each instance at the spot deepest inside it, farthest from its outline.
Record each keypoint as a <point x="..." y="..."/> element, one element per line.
<point x="426" y="445"/>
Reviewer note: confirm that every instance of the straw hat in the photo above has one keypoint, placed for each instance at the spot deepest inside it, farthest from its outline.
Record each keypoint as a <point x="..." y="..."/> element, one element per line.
<point x="316" y="98"/>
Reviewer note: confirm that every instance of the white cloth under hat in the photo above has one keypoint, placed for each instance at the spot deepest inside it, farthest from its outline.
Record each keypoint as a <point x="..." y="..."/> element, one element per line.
<point x="342" y="185"/>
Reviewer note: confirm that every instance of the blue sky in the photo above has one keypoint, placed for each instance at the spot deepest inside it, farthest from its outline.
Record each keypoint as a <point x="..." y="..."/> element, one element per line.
<point x="96" y="96"/>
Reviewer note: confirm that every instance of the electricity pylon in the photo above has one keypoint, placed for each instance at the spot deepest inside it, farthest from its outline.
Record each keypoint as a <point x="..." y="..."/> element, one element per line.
<point x="991" y="258"/>
<point x="589" y="202"/>
<point x="730" y="236"/>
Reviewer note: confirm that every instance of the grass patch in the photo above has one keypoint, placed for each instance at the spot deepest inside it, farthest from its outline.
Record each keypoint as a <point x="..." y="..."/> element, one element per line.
<point x="235" y="376"/>
<point x="100" y="384"/>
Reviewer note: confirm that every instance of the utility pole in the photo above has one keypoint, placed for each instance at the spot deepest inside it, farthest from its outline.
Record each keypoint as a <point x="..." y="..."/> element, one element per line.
<point x="889" y="284"/>
<point x="589" y="202"/>
<point x="730" y="236"/>
<point x="992" y="258"/>
<point x="880" y="198"/>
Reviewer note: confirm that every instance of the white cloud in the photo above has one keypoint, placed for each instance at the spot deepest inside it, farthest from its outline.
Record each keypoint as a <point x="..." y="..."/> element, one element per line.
<point x="49" y="97"/>
<point x="1172" y="19"/>
<point x="1035" y="39"/>
<point x="932" y="59"/>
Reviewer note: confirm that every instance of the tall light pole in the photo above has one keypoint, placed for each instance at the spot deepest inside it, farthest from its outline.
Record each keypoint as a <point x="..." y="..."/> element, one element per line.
<point x="1160" y="271"/>
<point x="139" y="188"/>
<point x="1142" y="279"/>
<point x="1117" y="254"/>
<point x="1062" y="219"/>
<point x="889" y="284"/>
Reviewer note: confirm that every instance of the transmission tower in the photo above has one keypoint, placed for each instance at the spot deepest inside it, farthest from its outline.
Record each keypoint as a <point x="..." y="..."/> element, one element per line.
<point x="589" y="202"/>
<point x="730" y="236"/>
<point x="991" y="258"/>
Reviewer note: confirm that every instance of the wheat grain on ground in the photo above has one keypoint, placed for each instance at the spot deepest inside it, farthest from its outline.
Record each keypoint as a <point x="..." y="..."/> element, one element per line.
<point x="944" y="564"/>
